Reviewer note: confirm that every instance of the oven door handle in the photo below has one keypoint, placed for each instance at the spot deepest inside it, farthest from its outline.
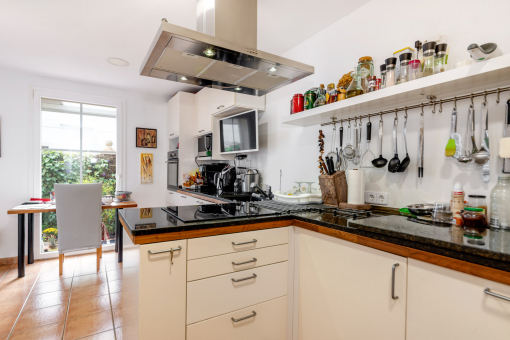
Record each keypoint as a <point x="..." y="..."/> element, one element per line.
<point x="171" y="161"/>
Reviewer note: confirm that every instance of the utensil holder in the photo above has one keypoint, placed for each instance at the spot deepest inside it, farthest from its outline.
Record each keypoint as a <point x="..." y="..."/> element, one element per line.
<point x="333" y="188"/>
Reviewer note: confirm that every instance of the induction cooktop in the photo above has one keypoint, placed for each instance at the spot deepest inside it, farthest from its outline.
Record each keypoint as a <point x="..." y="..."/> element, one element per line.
<point x="197" y="213"/>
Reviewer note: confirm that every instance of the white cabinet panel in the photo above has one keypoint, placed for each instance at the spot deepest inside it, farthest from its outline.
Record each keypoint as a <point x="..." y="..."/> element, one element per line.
<point x="234" y="262"/>
<point x="345" y="290"/>
<point x="173" y="113"/>
<point x="224" y="244"/>
<point x="162" y="291"/>
<point x="218" y="295"/>
<point x="446" y="304"/>
<point x="172" y="197"/>
<point x="269" y="323"/>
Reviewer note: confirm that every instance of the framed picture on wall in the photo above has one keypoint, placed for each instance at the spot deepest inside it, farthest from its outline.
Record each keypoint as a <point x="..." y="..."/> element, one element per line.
<point x="146" y="138"/>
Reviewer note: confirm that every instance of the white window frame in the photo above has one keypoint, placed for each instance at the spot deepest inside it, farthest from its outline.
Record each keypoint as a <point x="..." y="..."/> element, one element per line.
<point x="34" y="161"/>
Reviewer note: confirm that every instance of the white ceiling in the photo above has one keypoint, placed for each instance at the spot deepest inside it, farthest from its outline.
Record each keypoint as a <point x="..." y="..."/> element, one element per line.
<point x="71" y="39"/>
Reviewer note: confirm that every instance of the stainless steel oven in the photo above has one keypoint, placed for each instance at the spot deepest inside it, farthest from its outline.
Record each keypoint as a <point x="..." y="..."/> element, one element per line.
<point x="205" y="145"/>
<point x="172" y="170"/>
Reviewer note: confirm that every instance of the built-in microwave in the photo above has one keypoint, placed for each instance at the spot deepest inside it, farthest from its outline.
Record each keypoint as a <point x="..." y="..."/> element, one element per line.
<point x="205" y="145"/>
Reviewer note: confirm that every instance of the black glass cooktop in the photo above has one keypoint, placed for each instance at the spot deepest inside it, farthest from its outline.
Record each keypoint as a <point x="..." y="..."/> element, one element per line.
<point x="196" y="213"/>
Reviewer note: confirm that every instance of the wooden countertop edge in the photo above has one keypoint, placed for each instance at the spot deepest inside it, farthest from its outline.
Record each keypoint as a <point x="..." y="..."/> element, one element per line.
<point x="420" y="255"/>
<point x="201" y="197"/>
<point x="122" y="205"/>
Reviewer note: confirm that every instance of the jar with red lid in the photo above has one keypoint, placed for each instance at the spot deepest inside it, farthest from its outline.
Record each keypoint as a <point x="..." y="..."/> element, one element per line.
<point x="297" y="103"/>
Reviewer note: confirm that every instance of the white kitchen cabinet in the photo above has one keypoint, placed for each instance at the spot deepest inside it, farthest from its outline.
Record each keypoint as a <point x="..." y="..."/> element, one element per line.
<point x="267" y="321"/>
<point x="162" y="291"/>
<point x="222" y="294"/>
<point x="172" y="197"/>
<point x="212" y="101"/>
<point x="345" y="290"/>
<point x="173" y="113"/>
<point x="446" y="304"/>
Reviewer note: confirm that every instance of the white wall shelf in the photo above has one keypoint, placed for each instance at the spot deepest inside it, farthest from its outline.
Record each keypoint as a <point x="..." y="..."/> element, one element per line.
<point x="475" y="77"/>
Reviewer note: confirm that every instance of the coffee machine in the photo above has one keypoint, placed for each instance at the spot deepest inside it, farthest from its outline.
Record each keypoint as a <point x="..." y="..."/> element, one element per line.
<point x="208" y="171"/>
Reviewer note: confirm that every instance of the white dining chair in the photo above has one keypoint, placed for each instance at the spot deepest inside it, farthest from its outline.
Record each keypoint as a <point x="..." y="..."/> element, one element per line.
<point x="78" y="218"/>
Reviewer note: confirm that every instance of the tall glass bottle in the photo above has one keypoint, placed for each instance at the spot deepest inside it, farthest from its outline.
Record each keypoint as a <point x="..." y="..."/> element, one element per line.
<point x="500" y="203"/>
<point x="383" y="76"/>
<point x="321" y="97"/>
<point x="429" y="50"/>
<point x="355" y="88"/>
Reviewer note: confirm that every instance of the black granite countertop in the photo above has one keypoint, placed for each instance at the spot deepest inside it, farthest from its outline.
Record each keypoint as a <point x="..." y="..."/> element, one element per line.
<point x="493" y="250"/>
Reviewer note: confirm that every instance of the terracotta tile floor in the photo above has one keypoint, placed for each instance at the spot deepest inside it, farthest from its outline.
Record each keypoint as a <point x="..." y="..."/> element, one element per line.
<point x="80" y="304"/>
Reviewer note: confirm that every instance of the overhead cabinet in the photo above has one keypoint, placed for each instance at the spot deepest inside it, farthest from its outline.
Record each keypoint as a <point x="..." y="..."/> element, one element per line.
<point x="210" y="102"/>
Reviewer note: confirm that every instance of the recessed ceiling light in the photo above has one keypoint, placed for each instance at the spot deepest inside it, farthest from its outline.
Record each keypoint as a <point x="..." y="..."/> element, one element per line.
<point x="117" y="62"/>
<point x="209" y="52"/>
<point x="272" y="69"/>
<point x="238" y="88"/>
<point x="183" y="78"/>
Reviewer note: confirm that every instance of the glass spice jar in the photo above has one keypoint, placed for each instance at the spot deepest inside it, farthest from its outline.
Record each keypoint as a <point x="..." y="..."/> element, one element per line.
<point x="405" y="58"/>
<point x="390" y="71"/>
<point x="440" y="58"/>
<point x="365" y="69"/>
<point x="429" y="50"/>
<point x="474" y="221"/>
<point x="383" y="76"/>
<point x="414" y="69"/>
<point x="372" y="84"/>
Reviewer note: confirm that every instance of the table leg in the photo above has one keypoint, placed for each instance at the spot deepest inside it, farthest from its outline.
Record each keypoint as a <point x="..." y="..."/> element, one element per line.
<point x="21" y="245"/>
<point x="30" y="238"/>
<point x="116" y="230"/>
<point x="121" y="231"/>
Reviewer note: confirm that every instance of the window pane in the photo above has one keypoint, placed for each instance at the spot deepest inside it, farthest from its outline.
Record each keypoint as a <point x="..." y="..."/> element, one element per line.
<point x="100" y="110"/>
<point x="97" y="132"/>
<point x="60" y="131"/>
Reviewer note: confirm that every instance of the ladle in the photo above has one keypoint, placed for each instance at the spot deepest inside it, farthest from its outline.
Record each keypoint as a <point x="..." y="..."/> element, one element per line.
<point x="381" y="161"/>
<point x="405" y="162"/>
<point x="394" y="163"/>
<point x="482" y="155"/>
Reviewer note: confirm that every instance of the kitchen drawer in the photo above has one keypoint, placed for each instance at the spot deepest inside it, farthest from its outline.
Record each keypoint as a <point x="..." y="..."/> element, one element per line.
<point x="172" y="197"/>
<point x="223" y="264"/>
<point x="269" y="323"/>
<point x="200" y="201"/>
<point x="223" y="244"/>
<point x="218" y="295"/>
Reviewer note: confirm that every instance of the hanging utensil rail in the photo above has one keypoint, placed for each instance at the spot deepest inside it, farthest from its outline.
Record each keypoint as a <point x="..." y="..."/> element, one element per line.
<point x="432" y="102"/>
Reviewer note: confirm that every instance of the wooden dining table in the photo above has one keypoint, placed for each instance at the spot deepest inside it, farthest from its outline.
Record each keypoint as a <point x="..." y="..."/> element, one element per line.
<point x="52" y="208"/>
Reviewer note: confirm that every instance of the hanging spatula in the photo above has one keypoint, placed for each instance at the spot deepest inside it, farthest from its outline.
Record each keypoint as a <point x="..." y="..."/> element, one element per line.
<point x="450" y="146"/>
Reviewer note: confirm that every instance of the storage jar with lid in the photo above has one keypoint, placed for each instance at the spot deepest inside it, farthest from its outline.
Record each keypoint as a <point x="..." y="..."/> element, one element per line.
<point x="414" y="69"/>
<point x="500" y="203"/>
<point x="477" y="201"/>
<point x="383" y="76"/>
<point x="331" y="94"/>
<point x="440" y="58"/>
<point x="341" y="94"/>
<point x="405" y="58"/>
<point x="474" y="221"/>
<point x="429" y="50"/>
<point x="321" y="97"/>
<point x="297" y="103"/>
<point x="310" y="98"/>
<point x="372" y="83"/>
<point x="390" y="71"/>
<point x="365" y="69"/>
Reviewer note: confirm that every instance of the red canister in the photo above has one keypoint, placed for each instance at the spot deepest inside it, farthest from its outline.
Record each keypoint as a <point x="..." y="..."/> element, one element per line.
<point x="298" y="103"/>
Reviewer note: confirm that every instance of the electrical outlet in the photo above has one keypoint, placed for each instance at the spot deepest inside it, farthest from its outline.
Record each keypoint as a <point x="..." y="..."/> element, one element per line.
<point x="382" y="198"/>
<point x="370" y="197"/>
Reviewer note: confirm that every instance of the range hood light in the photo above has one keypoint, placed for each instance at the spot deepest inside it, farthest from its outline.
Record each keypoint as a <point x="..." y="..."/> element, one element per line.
<point x="272" y="69"/>
<point x="183" y="78"/>
<point x="209" y="52"/>
<point x="238" y="88"/>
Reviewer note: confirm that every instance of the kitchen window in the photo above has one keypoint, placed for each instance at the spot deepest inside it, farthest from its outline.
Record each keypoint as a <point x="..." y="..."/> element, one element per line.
<point x="78" y="145"/>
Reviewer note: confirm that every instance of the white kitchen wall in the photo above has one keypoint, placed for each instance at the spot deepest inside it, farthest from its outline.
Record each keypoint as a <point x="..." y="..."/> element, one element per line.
<point x="142" y="110"/>
<point x="378" y="29"/>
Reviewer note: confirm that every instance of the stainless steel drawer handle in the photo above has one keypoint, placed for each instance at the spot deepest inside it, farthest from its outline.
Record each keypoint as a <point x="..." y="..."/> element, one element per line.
<point x="165" y="251"/>
<point x="246" y="278"/>
<point x="393" y="281"/>
<point x="246" y="317"/>
<point x="238" y="244"/>
<point x="240" y="263"/>
<point x="183" y="196"/>
<point x="219" y="107"/>
<point x="488" y="292"/>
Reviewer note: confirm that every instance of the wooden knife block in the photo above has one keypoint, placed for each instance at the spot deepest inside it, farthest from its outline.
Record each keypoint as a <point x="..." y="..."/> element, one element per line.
<point x="334" y="188"/>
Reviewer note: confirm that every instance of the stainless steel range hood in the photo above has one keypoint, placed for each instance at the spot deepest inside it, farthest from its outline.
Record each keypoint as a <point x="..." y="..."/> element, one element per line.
<point x="225" y="58"/>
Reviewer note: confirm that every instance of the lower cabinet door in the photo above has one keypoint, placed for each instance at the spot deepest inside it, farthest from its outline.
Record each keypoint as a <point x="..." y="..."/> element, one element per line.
<point x="162" y="291"/>
<point x="222" y="294"/>
<point x="446" y="304"/>
<point x="264" y="321"/>
<point x="346" y="290"/>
